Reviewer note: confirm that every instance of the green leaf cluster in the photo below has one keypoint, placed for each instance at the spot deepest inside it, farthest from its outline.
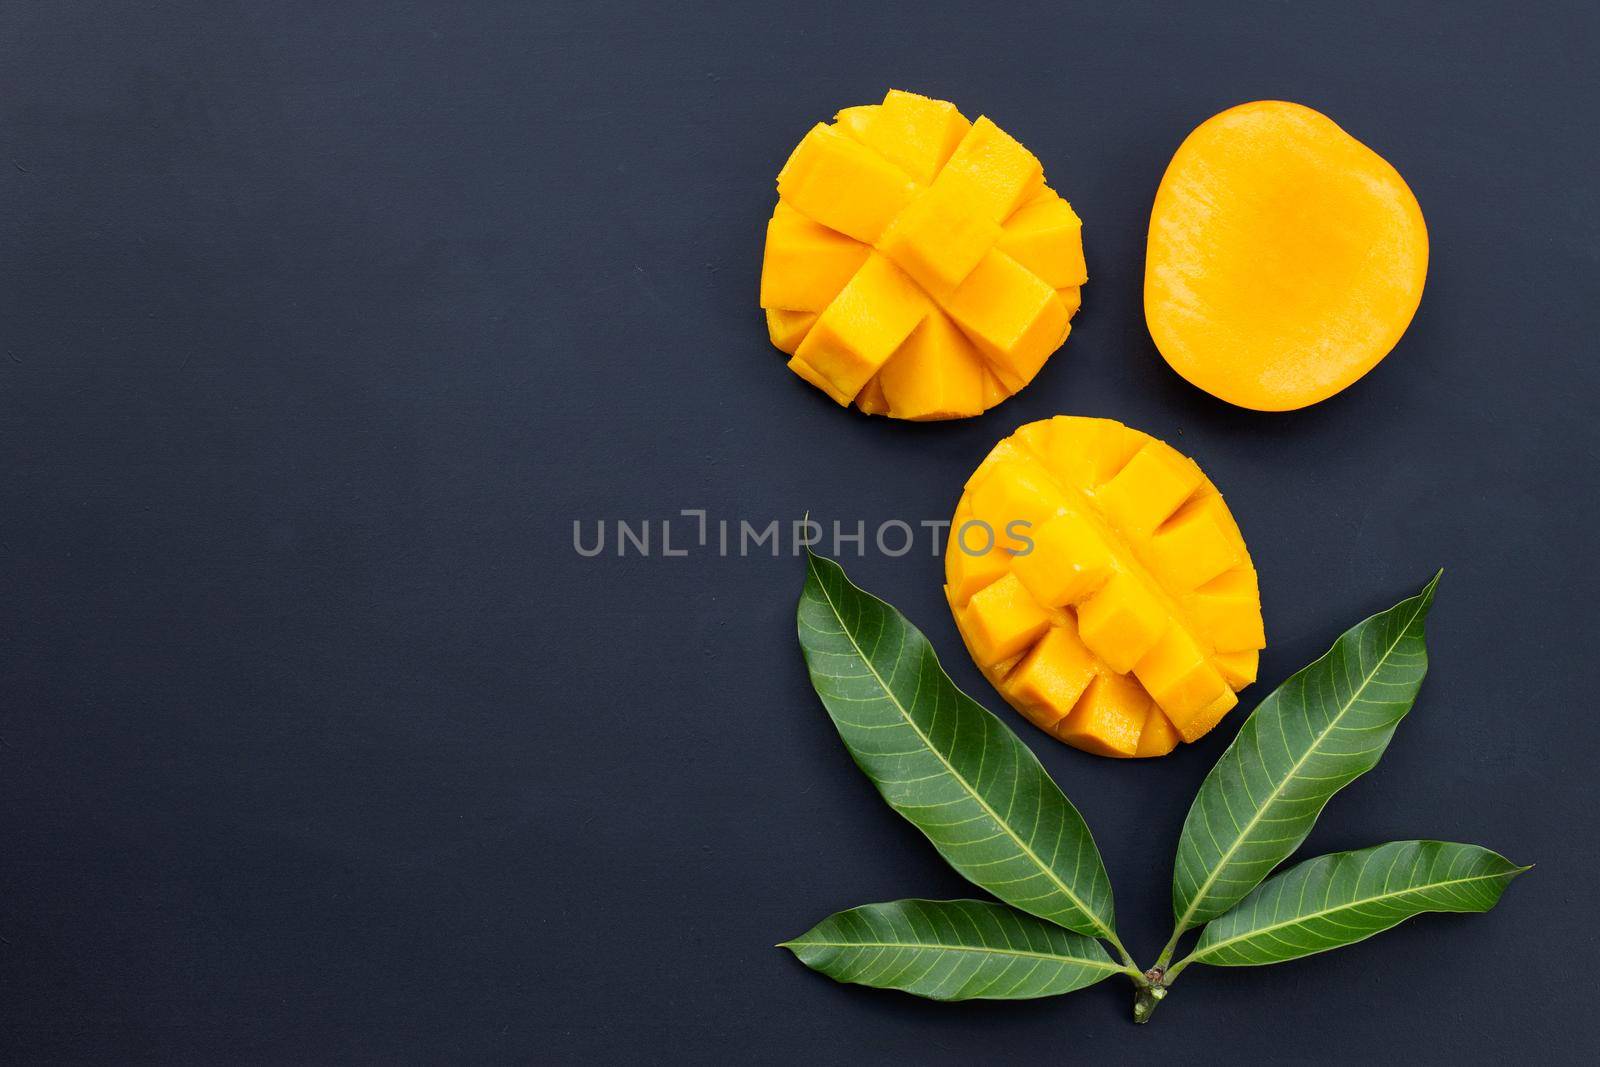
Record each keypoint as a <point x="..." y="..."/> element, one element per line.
<point x="982" y="799"/>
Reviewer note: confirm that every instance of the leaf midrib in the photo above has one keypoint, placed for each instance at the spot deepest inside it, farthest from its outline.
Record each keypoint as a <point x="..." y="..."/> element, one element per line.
<point x="973" y="793"/>
<point x="1200" y="953"/>
<point x="1106" y="965"/>
<point x="1272" y="797"/>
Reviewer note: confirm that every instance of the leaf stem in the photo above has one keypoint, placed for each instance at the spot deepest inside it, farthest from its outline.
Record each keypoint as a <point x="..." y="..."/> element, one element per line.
<point x="1168" y="949"/>
<point x="1171" y="973"/>
<point x="1127" y="960"/>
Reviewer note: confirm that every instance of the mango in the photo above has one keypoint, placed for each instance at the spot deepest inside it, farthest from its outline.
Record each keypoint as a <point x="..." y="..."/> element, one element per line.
<point x="857" y="333"/>
<point x="1285" y="258"/>
<point x="916" y="264"/>
<point x="1101" y="583"/>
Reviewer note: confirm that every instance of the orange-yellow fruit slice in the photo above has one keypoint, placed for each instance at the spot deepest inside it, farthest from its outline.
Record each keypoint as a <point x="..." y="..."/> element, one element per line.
<point x="916" y="264"/>
<point x="1101" y="583"/>
<point x="1285" y="257"/>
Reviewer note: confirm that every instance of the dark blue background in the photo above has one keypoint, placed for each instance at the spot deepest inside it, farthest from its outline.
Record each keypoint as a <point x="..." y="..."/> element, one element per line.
<point x="323" y="322"/>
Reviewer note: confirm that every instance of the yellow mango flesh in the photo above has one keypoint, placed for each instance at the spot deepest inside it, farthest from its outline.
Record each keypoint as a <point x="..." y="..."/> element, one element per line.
<point x="916" y="264"/>
<point x="1285" y="258"/>
<point x="1102" y="585"/>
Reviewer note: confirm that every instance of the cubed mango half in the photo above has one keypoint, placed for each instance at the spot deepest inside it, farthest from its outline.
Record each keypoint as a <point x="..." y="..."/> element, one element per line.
<point x="961" y="211"/>
<point x="1101" y="583"/>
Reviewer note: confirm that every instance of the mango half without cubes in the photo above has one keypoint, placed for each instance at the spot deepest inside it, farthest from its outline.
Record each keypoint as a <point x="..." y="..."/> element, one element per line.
<point x="916" y="265"/>
<point x="1285" y="257"/>
<point x="1103" y="587"/>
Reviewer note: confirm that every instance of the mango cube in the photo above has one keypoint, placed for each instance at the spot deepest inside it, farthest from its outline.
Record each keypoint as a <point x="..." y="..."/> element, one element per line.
<point x="1159" y="736"/>
<point x="1003" y="621"/>
<point x="1238" y="669"/>
<point x="938" y="239"/>
<point x="1071" y="298"/>
<point x="1148" y="490"/>
<point x="1196" y="544"/>
<point x="1046" y="236"/>
<point x="935" y="374"/>
<point x="1194" y="727"/>
<point x="871" y="399"/>
<point x="853" y="121"/>
<point x="1177" y="676"/>
<point x="843" y="184"/>
<point x="1067" y="563"/>
<point x="996" y="170"/>
<point x="1122" y="622"/>
<point x="1015" y="498"/>
<point x="1015" y="319"/>
<point x="857" y="333"/>
<point x="805" y="264"/>
<point x="1228" y="610"/>
<point x="788" y="328"/>
<point x="1108" y="719"/>
<point x="966" y="572"/>
<point x="915" y="133"/>
<point x="1083" y="451"/>
<point x="1050" y="679"/>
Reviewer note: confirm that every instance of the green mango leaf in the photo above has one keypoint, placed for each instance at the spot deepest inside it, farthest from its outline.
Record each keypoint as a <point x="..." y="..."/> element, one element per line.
<point x="1319" y="731"/>
<point x="950" y="767"/>
<point x="1337" y="900"/>
<point x="952" y="950"/>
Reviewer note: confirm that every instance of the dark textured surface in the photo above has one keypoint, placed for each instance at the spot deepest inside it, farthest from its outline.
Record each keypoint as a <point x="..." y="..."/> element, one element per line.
<point x="322" y="323"/>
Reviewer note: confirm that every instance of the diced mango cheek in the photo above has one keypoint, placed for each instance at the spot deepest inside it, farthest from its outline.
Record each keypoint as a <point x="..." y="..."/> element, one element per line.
<point x="1003" y="621"/>
<point x="788" y="328"/>
<point x="1067" y="563"/>
<point x="1127" y="600"/>
<point x="1148" y="490"/>
<point x="1159" y="736"/>
<point x="843" y="184"/>
<point x="916" y="133"/>
<point x="1012" y="316"/>
<point x="928" y="191"/>
<point x="1108" y="720"/>
<point x="1121" y="622"/>
<point x="1051" y="678"/>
